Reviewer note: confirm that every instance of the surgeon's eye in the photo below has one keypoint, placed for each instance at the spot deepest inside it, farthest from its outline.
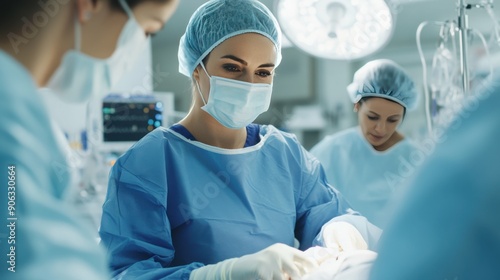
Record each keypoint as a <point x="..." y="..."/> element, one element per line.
<point x="264" y="74"/>
<point x="393" y="121"/>
<point x="372" y="118"/>
<point x="231" y="68"/>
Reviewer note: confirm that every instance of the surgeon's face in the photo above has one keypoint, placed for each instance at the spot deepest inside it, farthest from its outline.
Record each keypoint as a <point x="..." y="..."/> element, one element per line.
<point x="378" y="119"/>
<point x="102" y="23"/>
<point x="248" y="57"/>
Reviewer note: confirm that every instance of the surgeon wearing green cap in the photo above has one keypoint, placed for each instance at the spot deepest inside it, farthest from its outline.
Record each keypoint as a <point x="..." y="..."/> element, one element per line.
<point x="368" y="163"/>
<point x="216" y="196"/>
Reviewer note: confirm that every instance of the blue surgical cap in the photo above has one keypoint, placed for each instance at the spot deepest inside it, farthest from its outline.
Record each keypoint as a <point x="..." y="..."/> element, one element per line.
<point x="383" y="78"/>
<point x="218" y="20"/>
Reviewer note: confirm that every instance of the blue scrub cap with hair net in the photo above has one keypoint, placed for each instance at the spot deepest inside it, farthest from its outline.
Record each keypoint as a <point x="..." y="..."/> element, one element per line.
<point x="218" y="20"/>
<point x="386" y="79"/>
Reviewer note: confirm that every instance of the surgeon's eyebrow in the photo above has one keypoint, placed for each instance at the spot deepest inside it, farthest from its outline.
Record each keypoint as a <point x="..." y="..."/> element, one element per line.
<point x="391" y="116"/>
<point x="235" y="58"/>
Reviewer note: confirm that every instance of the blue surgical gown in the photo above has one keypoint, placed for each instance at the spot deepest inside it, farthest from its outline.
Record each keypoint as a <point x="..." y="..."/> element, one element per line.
<point x="175" y="204"/>
<point x="367" y="178"/>
<point x="448" y="224"/>
<point x="50" y="240"/>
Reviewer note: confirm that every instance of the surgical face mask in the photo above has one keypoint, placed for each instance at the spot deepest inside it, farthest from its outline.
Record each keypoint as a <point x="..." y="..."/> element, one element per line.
<point x="79" y="75"/>
<point x="235" y="104"/>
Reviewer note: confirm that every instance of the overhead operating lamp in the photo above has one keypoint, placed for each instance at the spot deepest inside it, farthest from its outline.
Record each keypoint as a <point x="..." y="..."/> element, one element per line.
<point x="336" y="29"/>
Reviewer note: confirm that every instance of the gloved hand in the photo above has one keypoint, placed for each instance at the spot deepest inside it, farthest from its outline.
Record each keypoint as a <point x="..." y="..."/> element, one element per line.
<point x="347" y="265"/>
<point x="343" y="236"/>
<point x="322" y="254"/>
<point x="276" y="262"/>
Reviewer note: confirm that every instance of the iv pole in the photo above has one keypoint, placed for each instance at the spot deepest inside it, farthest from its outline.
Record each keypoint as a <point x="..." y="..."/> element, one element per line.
<point x="463" y="28"/>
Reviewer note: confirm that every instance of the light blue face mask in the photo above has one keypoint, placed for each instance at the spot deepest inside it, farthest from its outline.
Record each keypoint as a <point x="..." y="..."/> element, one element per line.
<point x="235" y="104"/>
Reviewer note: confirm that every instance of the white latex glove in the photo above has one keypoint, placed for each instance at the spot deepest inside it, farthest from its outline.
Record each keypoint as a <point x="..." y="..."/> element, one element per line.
<point x="343" y="237"/>
<point x="276" y="262"/>
<point x="322" y="254"/>
<point x="347" y="265"/>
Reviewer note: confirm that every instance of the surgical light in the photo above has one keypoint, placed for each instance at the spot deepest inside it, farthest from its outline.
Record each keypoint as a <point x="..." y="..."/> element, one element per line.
<point x="336" y="29"/>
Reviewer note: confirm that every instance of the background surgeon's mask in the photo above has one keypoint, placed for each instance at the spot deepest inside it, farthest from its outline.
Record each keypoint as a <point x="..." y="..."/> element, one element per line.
<point x="235" y="104"/>
<point x="79" y="75"/>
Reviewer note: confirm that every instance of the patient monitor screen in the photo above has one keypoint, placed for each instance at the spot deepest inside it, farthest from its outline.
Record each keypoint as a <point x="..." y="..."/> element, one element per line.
<point x="130" y="121"/>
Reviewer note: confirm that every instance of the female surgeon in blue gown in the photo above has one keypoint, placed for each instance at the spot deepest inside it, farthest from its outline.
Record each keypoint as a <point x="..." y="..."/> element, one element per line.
<point x="370" y="162"/>
<point x="215" y="196"/>
<point x="39" y="47"/>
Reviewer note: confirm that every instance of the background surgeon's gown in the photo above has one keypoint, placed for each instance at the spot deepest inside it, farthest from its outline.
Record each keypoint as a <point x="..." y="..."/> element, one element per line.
<point x="51" y="241"/>
<point x="448" y="226"/>
<point x="174" y="204"/>
<point x="367" y="178"/>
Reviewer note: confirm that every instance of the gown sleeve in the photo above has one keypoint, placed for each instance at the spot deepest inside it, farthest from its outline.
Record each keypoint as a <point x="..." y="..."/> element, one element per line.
<point x="50" y="240"/>
<point x="135" y="227"/>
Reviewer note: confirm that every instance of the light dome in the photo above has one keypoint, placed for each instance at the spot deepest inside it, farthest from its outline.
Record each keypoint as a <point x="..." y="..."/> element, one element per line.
<point x="336" y="29"/>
